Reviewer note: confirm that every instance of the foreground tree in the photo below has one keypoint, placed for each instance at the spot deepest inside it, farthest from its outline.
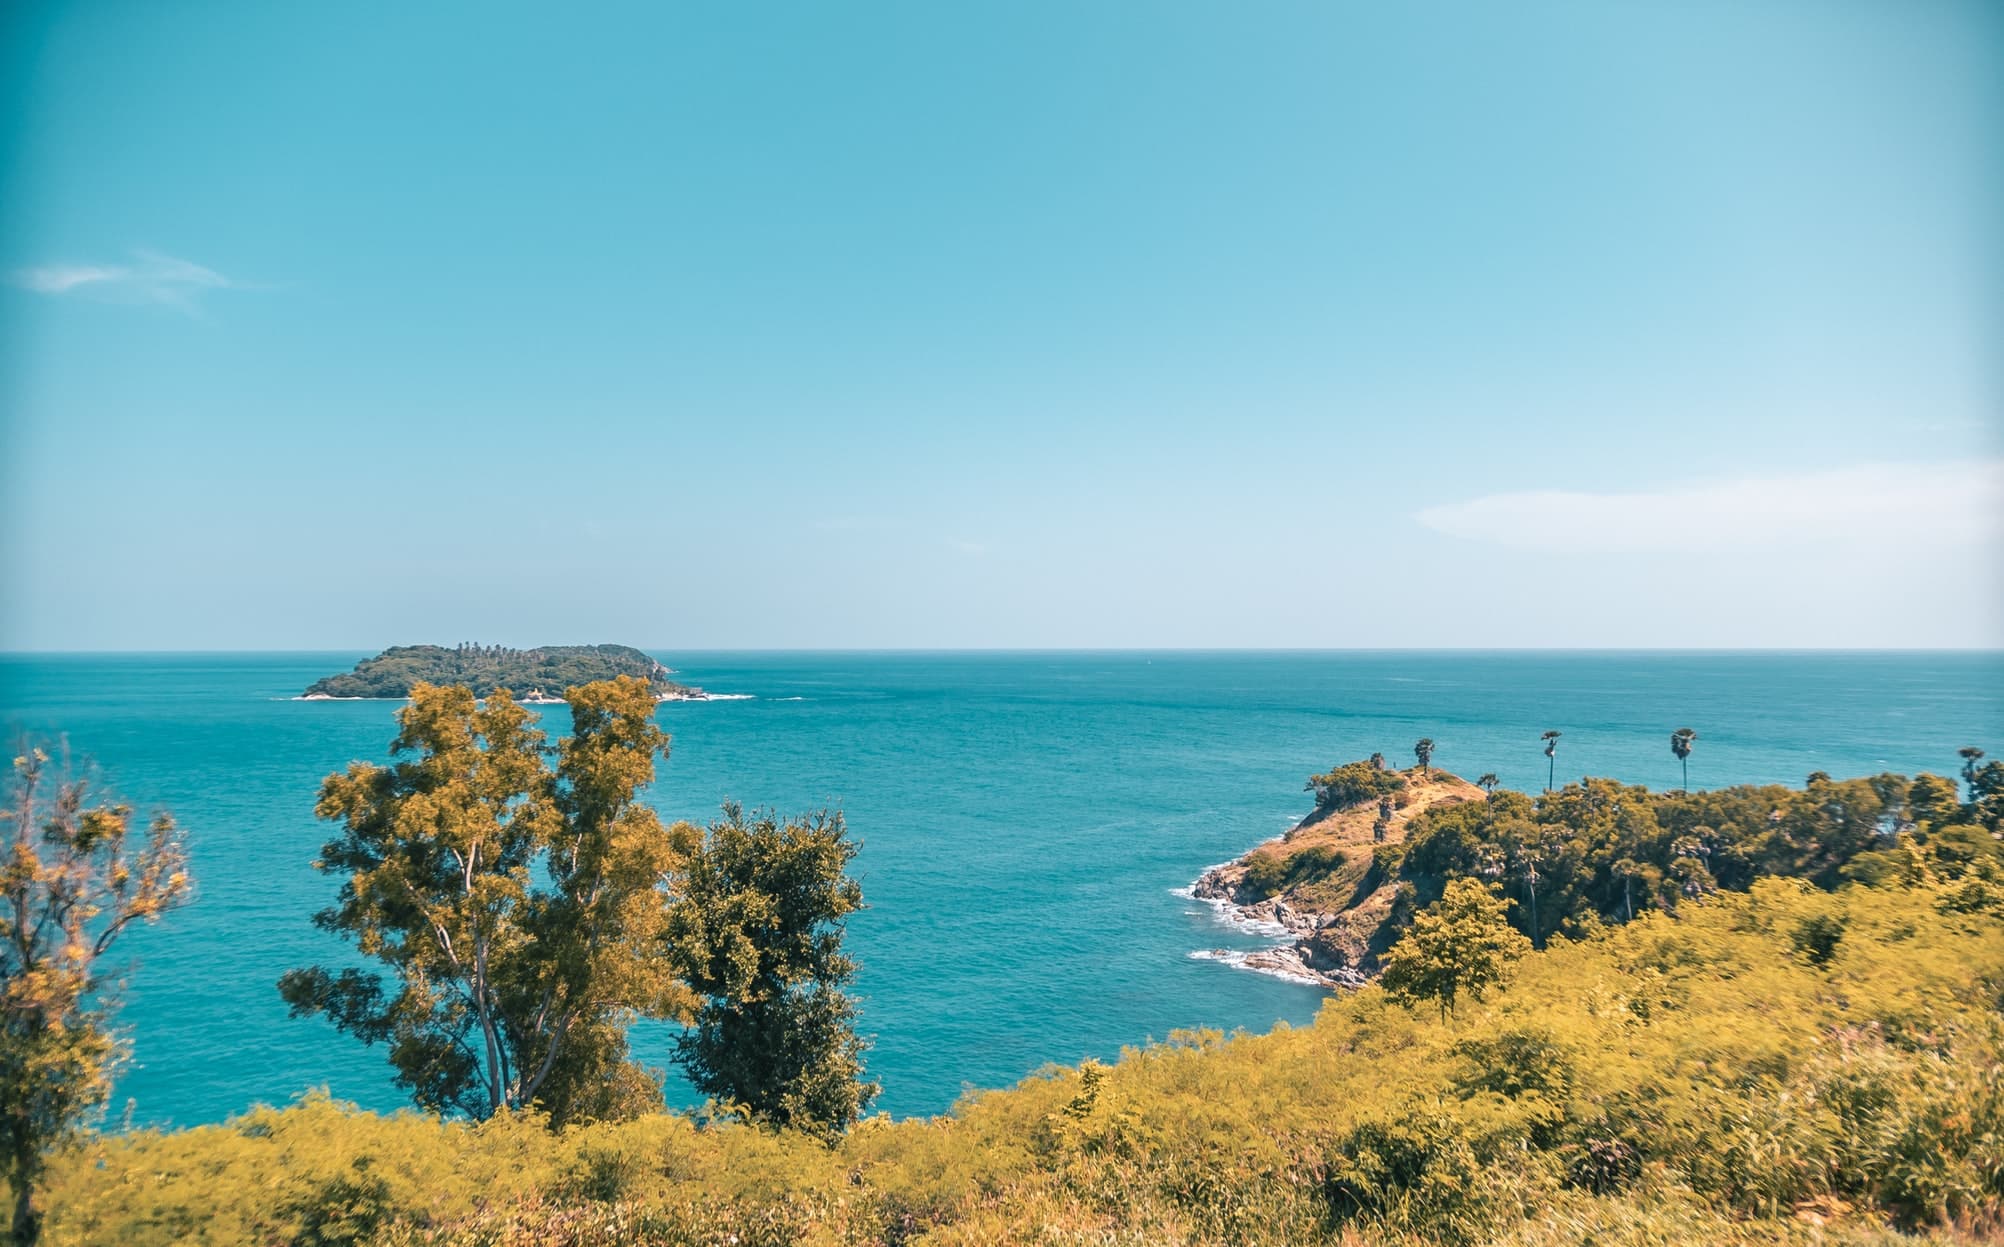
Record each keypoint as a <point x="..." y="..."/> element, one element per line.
<point x="1424" y="752"/>
<point x="1681" y="742"/>
<point x="1551" y="740"/>
<point x="1488" y="783"/>
<point x="1459" y="946"/>
<point x="73" y="879"/>
<point x="757" y="932"/>
<point x="517" y="907"/>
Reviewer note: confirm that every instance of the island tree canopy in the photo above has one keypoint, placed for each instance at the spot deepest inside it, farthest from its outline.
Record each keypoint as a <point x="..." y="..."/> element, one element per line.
<point x="548" y="669"/>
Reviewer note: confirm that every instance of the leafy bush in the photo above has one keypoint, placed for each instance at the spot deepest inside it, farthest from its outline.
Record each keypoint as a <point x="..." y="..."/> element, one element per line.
<point x="1685" y="1079"/>
<point x="1353" y="784"/>
<point x="1413" y="1173"/>
<point x="1817" y="936"/>
<point x="1269" y="874"/>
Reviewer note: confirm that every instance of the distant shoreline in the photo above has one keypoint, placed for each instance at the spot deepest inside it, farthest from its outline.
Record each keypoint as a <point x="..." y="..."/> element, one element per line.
<point x="537" y="673"/>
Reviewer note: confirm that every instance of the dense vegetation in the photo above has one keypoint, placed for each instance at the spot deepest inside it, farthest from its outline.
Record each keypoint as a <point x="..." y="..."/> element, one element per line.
<point x="524" y="909"/>
<point x="1719" y="1076"/>
<point x="1601" y="851"/>
<point x="73" y="878"/>
<point x="544" y="671"/>
<point x="1758" y="1015"/>
<point x="1356" y="782"/>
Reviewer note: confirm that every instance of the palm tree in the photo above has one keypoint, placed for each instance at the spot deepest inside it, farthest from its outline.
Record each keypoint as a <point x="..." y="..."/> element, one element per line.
<point x="1551" y="740"/>
<point x="1424" y="752"/>
<point x="1971" y="755"/>
<point x="1681" y="741"/>
<point x="1488" y="783"/>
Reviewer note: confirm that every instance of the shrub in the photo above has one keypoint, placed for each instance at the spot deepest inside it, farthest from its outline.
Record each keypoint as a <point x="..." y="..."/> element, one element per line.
<point x="1353" y="784"/>
<point x="1415" y="1174"/>
<point x="1269" y="874"/>
<point x="1817" y="937"/>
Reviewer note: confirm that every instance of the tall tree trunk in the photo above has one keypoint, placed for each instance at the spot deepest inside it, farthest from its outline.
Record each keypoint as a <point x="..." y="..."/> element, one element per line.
<point x="1531" y="883"/>
<point x="27" y="1230"/>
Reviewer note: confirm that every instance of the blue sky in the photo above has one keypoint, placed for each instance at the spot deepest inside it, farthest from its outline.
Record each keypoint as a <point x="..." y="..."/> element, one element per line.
<point x="1321" y="324"/>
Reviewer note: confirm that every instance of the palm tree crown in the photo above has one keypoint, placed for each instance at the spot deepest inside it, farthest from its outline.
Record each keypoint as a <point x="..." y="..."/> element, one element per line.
<point x="1681" y="741"/>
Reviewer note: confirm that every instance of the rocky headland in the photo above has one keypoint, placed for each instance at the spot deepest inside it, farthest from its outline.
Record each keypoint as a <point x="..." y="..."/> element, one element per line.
<point x="1328" y="885"/>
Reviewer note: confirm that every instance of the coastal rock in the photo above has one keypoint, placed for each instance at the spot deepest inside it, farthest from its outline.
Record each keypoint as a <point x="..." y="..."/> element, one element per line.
<point x="1336" y="903"/>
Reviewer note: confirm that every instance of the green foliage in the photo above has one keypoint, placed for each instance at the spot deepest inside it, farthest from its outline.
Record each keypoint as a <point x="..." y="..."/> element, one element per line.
<point x="1817" y="937"/>
<point x="346" y="1209"/>
<point x="1268" y="874"/>
<point x="1685" y="1080"/>
<point x="1682" y="742"/>
<point x="1932" y="800"/>
<point x="517" y="906"/>
<point x="487" y="668"/>
<point x="1353" y="784"/>
<point x="1985" y="781"/>
<point x="71" y="882"/>
<point x="1458" y="946"/>
<point x="757" y="932"/>
<point x="1602" y="851"/>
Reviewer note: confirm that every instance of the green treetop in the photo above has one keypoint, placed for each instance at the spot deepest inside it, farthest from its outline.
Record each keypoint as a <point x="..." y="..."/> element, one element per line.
<point x="1458" y="946"/>
<point x="517" y="907"/>
<point x="758" y="934"/>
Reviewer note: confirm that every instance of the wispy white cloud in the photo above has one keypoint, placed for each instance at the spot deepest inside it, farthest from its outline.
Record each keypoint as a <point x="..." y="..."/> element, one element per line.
<point x="1881" y="503"/>
<point x="149" y="278"/>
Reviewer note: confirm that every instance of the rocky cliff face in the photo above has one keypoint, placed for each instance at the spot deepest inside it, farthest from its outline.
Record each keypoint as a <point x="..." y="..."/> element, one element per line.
<point x="1323" y="885"/>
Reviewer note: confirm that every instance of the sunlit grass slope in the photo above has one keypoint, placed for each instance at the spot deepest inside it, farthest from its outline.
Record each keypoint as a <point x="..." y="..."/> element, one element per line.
<point x="1699" y="1079"/>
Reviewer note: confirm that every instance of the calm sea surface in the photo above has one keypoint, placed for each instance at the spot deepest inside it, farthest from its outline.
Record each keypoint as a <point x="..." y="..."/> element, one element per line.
<point x="1025" y="817"/>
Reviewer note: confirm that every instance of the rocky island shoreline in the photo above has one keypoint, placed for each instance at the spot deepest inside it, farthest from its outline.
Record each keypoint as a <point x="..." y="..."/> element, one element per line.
<point x="537" y="677"/>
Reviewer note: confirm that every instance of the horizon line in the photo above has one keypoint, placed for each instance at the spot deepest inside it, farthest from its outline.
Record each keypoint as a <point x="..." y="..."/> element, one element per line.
<point x="1078" y="649"/>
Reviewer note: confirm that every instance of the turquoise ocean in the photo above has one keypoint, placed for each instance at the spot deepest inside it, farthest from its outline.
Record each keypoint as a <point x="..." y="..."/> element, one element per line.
<point x="1026" y="818"/>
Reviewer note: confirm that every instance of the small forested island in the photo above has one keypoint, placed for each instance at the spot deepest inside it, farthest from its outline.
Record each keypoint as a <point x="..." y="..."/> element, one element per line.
<point x="533" y="675"/>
